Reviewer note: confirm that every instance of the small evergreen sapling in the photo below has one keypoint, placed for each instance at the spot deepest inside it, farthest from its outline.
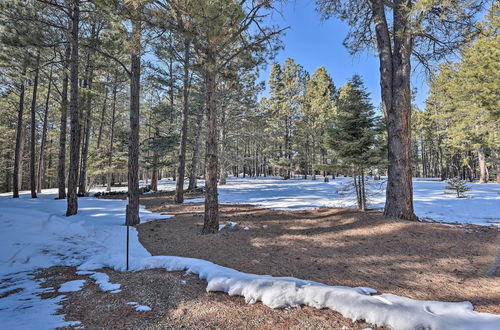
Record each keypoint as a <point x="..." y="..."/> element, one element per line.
<point x="459" y="186"/>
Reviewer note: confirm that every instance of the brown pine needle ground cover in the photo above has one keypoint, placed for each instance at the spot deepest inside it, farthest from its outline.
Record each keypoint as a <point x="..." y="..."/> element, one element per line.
<point x="420" y="260"/>
<point x="177" y="301"/>
<point x="425" y="261"/>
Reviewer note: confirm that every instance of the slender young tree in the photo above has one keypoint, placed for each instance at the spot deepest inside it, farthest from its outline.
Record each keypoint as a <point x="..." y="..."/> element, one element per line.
<point x="179" y="189"/>
<point x="61" y="164"/>
<point x="41" y="164"/>
<point x="74" y="155"/>
<point x="33" y="128"/>
<point x="20" y="136"/>
<point x="195" y="162"/>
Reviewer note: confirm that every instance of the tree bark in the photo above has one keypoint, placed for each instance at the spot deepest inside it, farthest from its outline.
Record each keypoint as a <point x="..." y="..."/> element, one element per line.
<point x="396" y="99"/>
<point x="82" y="180"/>
<point x="195" y="163"/>
<point x="111" y="141"/>
<point x="363" y="191"/>
<point x="74" y="154"/>
<point x="20" y="135"/>
<point x="211" y="218"/>
<point x="8" y="174"/>
<point x="483" y="178"/>
<point x="132" y="214"/>
<point x="179" y="189"/>
<point x="154" y="174"/>
<point x="33" y="129"/>
<point x="497" y="169"/>
<point x="61" y="165"/>
<point x="41" y="165"/>
<point x="101" y="123"/>
<point x="222" y="151"/>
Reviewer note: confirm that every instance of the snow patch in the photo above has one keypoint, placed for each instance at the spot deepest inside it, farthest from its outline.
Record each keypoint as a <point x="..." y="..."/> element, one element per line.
<point x="139" y="308"/>
<point x="102" y="280"/>
<point x="72" y="286"/>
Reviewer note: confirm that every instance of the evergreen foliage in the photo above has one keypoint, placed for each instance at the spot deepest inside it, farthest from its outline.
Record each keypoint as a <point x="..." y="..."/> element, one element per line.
<point x="459" y="186"/>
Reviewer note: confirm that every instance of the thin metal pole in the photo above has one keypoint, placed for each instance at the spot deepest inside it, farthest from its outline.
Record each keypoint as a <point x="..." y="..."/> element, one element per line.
<point x="127" y="244"/>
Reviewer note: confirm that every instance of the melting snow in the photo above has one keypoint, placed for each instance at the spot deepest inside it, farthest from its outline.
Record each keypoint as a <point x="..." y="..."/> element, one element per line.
<point x="72" y="286"/>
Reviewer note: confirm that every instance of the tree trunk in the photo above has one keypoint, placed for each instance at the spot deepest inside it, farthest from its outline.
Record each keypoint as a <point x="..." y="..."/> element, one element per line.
<point x="132" y="214"/>
<point x="179" y="189"/>
<point x="396" y="100"/>
<point x="222" y="155"/>
<point x="20" y="135"/>
<point x="8" y="174"/>
<point x="363" y="191"/>
<point x="154" y="175"/>
<point x="82" y="181"/>
<point x="211" y="218"/>
<point x="356" y="186"/>
<point x="483" y="178"/>
<point x="101" y="123"/>
<point x="41" y="165"/>
<point x="287" y="154"/>
<point x="195" y="163"/>
<point x="33" y="130"/>
<point x="61" y="165"/>
<point x="111" y="140"/>
<point x="74" y="153"/>
<point x="497" y="168"/>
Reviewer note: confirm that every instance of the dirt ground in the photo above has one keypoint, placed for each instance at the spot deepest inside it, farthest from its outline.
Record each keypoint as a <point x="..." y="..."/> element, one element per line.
<point x="426" y="261"/>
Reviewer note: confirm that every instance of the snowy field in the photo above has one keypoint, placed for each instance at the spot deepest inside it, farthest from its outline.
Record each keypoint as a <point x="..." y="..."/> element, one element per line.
<point x="35" y="234"/>
<point x="431" y="201"/>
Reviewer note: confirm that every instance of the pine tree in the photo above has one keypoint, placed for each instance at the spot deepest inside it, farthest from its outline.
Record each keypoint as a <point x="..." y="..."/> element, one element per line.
<point x="458" y="185"/>
<point x="318" y="110"/>
<point x="354" y="134"/>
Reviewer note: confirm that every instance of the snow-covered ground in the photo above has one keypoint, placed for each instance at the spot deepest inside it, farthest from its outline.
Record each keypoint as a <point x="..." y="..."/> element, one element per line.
<point x="431" y="201"/>
<point x="35" y="233"/>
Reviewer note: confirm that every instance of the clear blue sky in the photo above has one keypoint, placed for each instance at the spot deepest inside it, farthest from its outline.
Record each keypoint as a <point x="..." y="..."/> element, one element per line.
<point x="313" y="43"/>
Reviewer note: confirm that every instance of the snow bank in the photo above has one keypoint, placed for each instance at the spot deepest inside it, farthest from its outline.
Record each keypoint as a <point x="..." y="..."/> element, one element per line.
<point x="355" y="303"/>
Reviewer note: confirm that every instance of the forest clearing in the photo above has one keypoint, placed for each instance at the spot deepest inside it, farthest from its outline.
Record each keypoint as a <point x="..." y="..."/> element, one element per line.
<point x="249" y="164"/>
